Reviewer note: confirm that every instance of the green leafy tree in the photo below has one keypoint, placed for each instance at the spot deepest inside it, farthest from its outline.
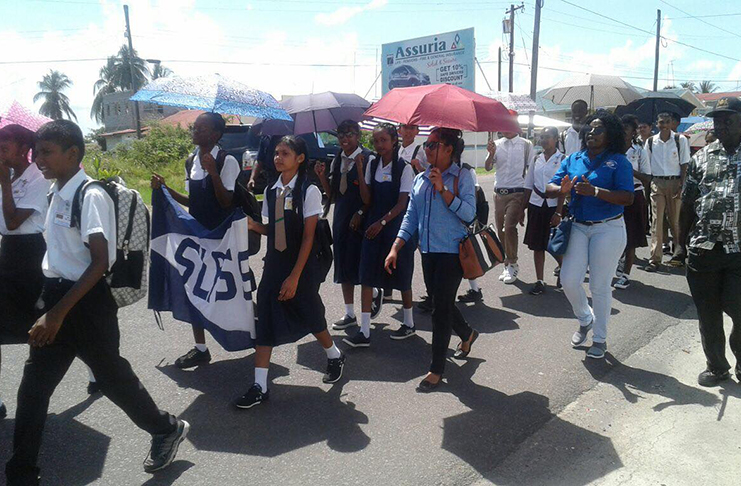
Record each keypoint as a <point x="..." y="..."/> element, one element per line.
<point x="103" y="86"/>
<point x="56" y="104"/>
<point x="121" y="70"/>
<point x="708" y="87"/>
<point x="160" y="71"/>
<point x="690" y="85"/>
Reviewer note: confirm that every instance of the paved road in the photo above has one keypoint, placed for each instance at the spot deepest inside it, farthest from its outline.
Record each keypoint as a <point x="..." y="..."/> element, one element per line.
<point x="373" y="428"/>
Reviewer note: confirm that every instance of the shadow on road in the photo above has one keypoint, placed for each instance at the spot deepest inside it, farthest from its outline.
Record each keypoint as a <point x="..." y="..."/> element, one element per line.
<point x="497" y="424"/>
<point x="168" y="476"/>
<point x="665" y="301"/>
<point x="628" y="380"/>
<point x="273" y="428"/>
<point x="65" y="442"/>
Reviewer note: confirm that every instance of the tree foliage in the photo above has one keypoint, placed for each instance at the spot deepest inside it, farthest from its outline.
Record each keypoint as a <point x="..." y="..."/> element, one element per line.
<point x="56" y="104"/>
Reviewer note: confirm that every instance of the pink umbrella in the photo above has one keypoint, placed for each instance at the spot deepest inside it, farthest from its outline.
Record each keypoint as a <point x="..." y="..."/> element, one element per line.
<point x="444" y="105"/>
<point x="19" y="115"/>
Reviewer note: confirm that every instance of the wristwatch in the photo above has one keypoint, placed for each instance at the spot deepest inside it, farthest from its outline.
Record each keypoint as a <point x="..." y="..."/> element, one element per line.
<point x="383" y="222"/>
<point x="445" y="188"/>
<point x="360" y="212"/>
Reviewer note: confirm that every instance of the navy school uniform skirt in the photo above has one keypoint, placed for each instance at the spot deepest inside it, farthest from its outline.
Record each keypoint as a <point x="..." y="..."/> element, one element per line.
<point x="347" y="243"/>
<point x="283" y="322"/>
<point x="21" y="281"/>
<point x="374" y="252"/>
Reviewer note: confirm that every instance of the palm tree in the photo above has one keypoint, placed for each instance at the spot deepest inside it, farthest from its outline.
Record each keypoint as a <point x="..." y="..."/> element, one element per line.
<point x="56" y="103"/>
<point x="707" y="87"/>
<point x="670" y="86"/>
<point x="160" y="71"/>
<point x="121" y="70"/>
<point x="690" y="85"/>
<point x="103" y="87"/>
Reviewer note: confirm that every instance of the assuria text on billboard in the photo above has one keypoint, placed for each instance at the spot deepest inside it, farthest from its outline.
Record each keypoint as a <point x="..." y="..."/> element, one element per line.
<point x="436" y="59"/>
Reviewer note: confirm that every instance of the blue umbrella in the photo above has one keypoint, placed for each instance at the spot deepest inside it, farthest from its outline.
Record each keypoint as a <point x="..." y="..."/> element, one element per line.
<point x="211" y="93"/>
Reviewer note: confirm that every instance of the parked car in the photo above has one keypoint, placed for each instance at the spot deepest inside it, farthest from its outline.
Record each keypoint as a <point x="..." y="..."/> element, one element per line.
<point x="406" y="76"/>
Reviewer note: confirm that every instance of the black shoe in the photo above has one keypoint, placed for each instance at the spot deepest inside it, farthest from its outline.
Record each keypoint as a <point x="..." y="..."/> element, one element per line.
<point x="165" y="448"/>
<point x="427" y="386"/>
<point x="557" y="271"/>
<point x="559" y="287"/>
<point x="710" y="378"/>
<point x="334" y="369"/>
<point x="357" y="341"/>
<point x="345" y="322"/>
<point x="538" y="288"/>
<point x="377" y="304"/>
<point x="652" y="267"/>
<point x="471" y="296"/>
<point x="193" y="358"/>
<point x="93" y="387"/>
<point x="3" y="411"/>
<point x="427" y="305"/>
<point x="459" y="353"/>
<point x="403" y="332"/>
<point x="254" y="396"/>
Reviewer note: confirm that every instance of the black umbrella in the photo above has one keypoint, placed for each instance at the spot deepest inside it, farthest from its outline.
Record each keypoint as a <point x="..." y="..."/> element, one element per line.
<point x="655" y="102"/>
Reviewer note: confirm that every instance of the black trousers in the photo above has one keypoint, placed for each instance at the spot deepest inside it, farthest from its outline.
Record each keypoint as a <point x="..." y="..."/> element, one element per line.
<point x="90" y="332"/>
<point x="714" y="278"/>
<point x="21" y="280"/>
<point x="443" y="275"/>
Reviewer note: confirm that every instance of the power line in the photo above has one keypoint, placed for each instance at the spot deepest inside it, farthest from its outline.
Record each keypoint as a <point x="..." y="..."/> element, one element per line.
<point x="651" y="33"/>
<point x="704" y="16"/>
<point x="699" y="19"/>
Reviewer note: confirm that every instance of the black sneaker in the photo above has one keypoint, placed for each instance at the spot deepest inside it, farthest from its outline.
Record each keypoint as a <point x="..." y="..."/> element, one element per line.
<point x="193" y="358"/>
<point x="165" y="448"/>
<point x="334" y="369"/>
<point x="471" y="296"/>
<point x="357" y="341"/>
<point x="3" y="411"/>
<point x="377" y="304"/>
<point x="403" y="332"/>
<point x="254" y="396"/>
<point x="345" y="322"/>
<point x="711" y="378"/>
<point x="93" y="387"/>
<point x="559" y="287"/>
<point x="427" y="305"/>
<point x="538" y="288"/>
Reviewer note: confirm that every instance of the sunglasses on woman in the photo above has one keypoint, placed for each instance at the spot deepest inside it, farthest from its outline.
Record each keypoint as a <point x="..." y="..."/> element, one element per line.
<point x="432" y="145"/>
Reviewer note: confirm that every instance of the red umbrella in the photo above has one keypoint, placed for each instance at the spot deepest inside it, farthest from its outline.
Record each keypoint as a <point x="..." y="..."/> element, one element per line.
<point x="444" y="105"/>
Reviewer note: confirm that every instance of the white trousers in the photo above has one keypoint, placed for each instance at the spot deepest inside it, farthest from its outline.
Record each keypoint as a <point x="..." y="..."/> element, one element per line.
<point x="598" y="248"/>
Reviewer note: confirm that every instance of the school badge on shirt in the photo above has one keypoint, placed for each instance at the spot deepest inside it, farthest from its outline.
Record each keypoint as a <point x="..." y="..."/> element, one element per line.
<point x="63" y="215"/>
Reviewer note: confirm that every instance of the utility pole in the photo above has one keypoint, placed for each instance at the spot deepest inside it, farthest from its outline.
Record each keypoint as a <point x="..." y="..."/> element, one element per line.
<point x="499" y="71"/>
<point x="131" y="68"/>
<point x="511" y="12"/>
<point x="658" y="45"/>
<point x="536" y="48"/>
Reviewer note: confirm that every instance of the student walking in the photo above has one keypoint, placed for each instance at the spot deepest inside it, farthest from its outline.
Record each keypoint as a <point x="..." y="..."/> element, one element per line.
<point x="511" y="155"/>
<point x="443" y="202"/>
<point x="22" y="247"/>
<point x="211" y="175"/>
<point x="600" y="180"/>
<point x="385" y="190"/>
<point x="288" y="302"/>
<point x="669" y="154"/>
<point x="542" y="213"/>
<point x="635" y="214"/>
<point x="342" y="188"/>
<point x="79" y="313"/>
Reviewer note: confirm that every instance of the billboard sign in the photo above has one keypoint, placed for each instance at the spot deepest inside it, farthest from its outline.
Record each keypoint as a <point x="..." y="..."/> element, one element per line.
<point x="436" y="59"/>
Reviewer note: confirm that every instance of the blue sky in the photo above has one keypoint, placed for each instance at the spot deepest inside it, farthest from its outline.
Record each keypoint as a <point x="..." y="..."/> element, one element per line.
<point x="284" y="46"/>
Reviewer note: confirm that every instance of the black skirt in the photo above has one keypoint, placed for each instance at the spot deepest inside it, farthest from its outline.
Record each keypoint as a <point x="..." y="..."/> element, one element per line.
<point x="636" y="219"/>
<point x="538" y="230"/>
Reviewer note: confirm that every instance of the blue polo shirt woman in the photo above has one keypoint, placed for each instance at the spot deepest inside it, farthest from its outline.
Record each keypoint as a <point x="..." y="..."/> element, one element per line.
<point x="441" y="205"/>
<point x="600" y="180"/>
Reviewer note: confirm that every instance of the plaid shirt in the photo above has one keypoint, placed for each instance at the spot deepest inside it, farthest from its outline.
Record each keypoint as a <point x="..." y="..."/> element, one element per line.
<point x="712" y="185"/>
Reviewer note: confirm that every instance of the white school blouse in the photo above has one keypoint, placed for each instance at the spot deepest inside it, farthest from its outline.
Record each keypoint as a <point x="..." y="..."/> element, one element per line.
<point x="312" y="199"/>
<point x="66" y="255"/>
<point x="30" y="191"/>
<point x="384" y="174"/>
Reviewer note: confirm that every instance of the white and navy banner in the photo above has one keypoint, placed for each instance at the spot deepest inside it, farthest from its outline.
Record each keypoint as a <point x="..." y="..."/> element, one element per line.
<point x="202" y="276"/>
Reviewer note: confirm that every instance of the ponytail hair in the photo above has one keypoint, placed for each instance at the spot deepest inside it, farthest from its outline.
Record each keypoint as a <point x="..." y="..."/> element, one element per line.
<point x="453" y="138"/>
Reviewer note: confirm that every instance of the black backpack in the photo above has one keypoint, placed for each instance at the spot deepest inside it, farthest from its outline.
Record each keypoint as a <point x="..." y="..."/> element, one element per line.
<point x="246" y="200"/>
<point x="322" y="237"/>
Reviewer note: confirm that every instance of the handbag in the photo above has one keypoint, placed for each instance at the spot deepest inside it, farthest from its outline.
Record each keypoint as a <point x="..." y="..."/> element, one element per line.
<point x="559" y="240"/>
<point x="480" y="250"/>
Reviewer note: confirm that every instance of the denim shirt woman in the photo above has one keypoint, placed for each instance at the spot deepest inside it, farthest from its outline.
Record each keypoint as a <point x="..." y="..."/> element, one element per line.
<point x="600" y="180"/>
<point x="442" y="204"/>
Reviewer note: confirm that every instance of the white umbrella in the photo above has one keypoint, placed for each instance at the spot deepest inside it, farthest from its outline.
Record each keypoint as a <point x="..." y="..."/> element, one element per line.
<point x="521" y="103"/>
<point x="595" y="89"/>
<point x="540" y="121"/>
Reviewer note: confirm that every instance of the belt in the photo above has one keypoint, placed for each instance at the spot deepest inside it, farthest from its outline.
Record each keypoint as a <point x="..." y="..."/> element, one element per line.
<point x="592" y="223"/>
<point x="667" y="178"/>
<point x="505" y="191"/>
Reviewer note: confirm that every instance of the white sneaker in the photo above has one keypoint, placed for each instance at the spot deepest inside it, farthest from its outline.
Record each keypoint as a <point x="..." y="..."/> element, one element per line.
<point x="504" y="273"/>
<point x="512" y="272"/>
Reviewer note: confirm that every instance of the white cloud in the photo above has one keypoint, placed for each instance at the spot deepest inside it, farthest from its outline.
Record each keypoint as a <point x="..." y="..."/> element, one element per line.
<point x="343" y="14"/>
